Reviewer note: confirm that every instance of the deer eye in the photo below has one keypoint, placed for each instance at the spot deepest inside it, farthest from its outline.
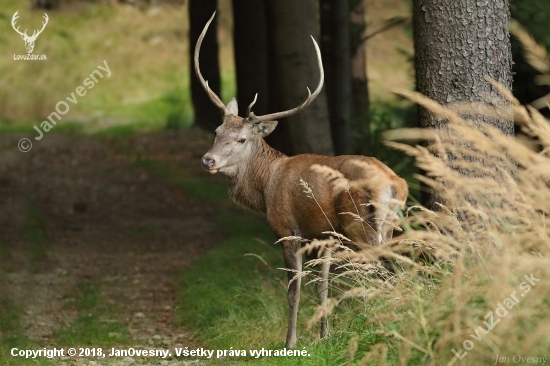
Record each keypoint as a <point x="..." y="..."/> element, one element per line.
<point x="242" y="141"/>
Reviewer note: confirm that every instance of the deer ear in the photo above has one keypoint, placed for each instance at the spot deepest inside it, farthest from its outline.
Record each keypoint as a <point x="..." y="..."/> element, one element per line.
<point x="264" y="128"/>
<point x="233" y="107"/>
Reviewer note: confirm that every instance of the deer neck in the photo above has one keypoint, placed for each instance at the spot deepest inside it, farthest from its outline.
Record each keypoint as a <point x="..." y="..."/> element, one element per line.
<point x="247" y="187"/>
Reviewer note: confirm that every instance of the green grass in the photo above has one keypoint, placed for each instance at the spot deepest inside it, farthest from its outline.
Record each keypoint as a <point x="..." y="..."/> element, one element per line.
<point x="13" y="337"/>
<point x="94" y="325"/>
<point x="142" y="229"/>
<point x="207" y="293"/>
<point x="126" y="130"/>
<point x="35" y="231"/>
<point x="150" y="73"/>
<point x="201" y="188"/>
<point x="141" y="74"/>
<point x="10" y="319"/>
<point x="235" y="295"/>
<point x="5" y="252"/>
<point x="234" y="299"/>
<point x="11" y="330"/>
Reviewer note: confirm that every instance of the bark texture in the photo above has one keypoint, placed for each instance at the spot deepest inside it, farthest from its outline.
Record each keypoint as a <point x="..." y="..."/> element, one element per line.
<point x="206" y="115"/>
<point x="295" y="62"/>
<point x="457" y="44"/>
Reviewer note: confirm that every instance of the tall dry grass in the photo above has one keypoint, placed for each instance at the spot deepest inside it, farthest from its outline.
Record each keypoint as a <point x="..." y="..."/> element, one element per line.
<point x="470" y="281"/>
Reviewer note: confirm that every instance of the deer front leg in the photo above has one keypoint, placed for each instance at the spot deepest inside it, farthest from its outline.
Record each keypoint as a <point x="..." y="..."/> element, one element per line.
<point x="322" y="288"/>
<point x="294" y="263"/>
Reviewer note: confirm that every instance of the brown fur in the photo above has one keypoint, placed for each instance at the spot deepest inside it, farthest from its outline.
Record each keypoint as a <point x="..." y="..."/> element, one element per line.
<point x="268" y="182"/>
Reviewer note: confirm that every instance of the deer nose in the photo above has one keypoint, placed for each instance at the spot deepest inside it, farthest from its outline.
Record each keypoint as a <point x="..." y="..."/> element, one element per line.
<point x="208" y="163"/>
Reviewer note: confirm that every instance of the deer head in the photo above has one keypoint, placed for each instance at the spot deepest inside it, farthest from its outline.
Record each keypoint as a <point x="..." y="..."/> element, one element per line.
<point x="29" y="40"/>
<point x="237" y="137"/>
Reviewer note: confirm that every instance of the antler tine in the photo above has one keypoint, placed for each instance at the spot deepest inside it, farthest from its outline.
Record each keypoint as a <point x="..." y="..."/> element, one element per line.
<point x="213" y="97"/>
<point x="44" y="23"/>
<point x="310" y="98"/>
<point x="13" y="21"/>
<point x="36" y="32"/>
<point x="249" y="114"/>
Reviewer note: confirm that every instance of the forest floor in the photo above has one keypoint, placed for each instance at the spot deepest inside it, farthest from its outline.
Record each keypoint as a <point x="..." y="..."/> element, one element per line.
<point x="92" y="240"/>
<point x="95" y="230"/>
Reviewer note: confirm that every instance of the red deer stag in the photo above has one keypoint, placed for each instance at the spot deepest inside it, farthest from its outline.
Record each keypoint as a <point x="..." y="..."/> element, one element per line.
<point x="266" y="181"/>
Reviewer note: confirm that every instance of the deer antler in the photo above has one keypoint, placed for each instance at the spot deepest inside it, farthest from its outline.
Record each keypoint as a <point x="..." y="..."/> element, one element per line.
<point x="213" y="97"/>
<point x="249" y="110"/>
<point x="36" y="33"/>
<point x="13" y="21"/>
<point x="252" y="118"/>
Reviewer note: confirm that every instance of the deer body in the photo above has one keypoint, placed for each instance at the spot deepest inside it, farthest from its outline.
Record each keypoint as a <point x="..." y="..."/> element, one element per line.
<point x="268" y="182"/>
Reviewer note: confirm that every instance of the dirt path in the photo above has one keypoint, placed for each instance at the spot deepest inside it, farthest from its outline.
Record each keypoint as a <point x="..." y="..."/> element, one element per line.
<point x="78" y="210"/>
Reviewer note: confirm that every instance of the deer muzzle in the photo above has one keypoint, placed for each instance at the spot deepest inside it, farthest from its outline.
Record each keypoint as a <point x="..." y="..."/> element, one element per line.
<point x="208" y="164"/>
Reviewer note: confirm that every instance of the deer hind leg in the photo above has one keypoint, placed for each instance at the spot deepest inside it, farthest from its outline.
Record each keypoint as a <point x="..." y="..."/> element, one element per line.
<point x="322" y="288"/>
<point x="293" y="262"/>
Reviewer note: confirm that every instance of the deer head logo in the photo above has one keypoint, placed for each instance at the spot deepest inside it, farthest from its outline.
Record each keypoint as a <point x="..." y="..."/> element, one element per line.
<point x="29" y="40"/>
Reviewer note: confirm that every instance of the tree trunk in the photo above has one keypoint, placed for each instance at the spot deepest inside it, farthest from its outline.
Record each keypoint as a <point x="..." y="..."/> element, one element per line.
<point x="207" y="116"/>
<point x="252" y="56"/>
<point x="335" y="44"/>
<point x="325" y="18"/>
<point x="296" y="66"/>
<point x="341" y="77"/>
<point x="46" y="4"/>
<point x="359" y="82"/>
<point x="250" y="40"/>
<point x="457" y="44"/>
